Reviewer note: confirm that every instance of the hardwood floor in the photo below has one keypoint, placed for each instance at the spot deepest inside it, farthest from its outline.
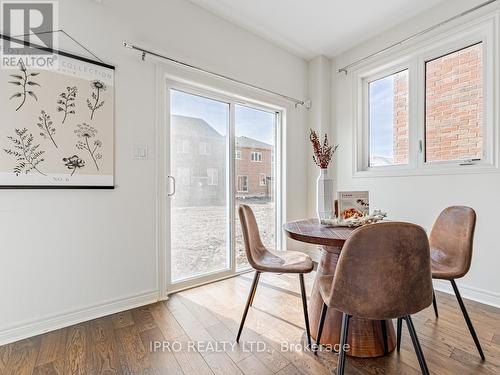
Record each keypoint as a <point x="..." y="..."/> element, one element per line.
<point x="203" y="322"/>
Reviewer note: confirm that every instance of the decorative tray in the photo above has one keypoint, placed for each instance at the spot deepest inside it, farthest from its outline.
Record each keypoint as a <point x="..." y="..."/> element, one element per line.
<point x="354" y="222"/>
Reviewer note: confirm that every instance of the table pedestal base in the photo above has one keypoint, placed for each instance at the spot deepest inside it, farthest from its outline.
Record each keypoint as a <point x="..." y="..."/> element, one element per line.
<point x="366" y="337"/>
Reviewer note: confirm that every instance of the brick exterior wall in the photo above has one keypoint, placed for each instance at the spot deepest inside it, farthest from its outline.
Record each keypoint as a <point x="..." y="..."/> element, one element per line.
<point x="400" y="118"/>
<point x="246" y="167"/>
<point x="454" y="106"/>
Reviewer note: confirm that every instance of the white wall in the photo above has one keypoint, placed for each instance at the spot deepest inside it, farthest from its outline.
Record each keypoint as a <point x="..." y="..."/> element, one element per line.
<point x="70" y="255"/>
<point x="420" y="199"/>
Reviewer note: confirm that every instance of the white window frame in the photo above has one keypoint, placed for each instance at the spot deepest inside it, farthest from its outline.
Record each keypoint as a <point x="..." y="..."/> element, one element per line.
<point x="183" y="146"/>
<point x="204" y="148"/>
<point x="237" y="154"/>
<point x="483" y="30"/>
<point x="213" y="176"/>
<point x="262" y="179"/>
<point x="238" y="184"/>
<point x="258" y="157"/>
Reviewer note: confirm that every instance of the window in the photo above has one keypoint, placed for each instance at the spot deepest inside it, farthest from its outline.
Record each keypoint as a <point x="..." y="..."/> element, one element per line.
<point x="454" y="106"/>
<point x="262" y="179"/>
<point x="388" y="120"/>
<point x="430" y="109"/>
<point x="238" y="154"/>
<point x="242" y="184"/>
<point x="203" y="148"/>
<point x="256" y="156"/>
<point x="182" y="146"/>
<point x="213" y="176"/>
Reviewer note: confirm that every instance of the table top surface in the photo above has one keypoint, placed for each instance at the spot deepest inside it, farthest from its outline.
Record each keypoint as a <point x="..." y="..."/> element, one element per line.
<point x="311" y="231"/>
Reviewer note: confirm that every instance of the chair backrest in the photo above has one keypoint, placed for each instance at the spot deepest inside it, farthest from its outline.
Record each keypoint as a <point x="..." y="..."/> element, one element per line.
<point x="452" y="238"/>
<point x="383" y="272"/>
<point x="254" y="247"/>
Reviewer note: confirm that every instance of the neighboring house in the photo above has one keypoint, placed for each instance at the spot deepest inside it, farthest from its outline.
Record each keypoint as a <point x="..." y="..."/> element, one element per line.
<point x="199" y="164"/>
<point x="254" y="168"/>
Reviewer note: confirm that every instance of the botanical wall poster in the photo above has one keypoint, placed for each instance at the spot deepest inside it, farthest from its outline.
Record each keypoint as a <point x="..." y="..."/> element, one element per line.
<point x="57" y="124"/>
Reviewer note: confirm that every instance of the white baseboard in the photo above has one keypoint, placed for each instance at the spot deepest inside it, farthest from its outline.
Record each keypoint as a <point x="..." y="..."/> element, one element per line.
<point x="475" y="294"/>
<point x="39" y="326"/>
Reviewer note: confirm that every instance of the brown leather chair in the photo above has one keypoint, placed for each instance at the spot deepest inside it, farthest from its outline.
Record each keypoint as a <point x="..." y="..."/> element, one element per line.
<point x="383" y="272"/>
<point x="263" y="260"/>
<point x="451" y="242"/>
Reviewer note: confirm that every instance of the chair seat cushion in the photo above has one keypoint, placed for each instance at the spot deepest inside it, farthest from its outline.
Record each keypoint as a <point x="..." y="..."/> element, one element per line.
<point x="284" y="262"/>
<point x="442" y="266"/>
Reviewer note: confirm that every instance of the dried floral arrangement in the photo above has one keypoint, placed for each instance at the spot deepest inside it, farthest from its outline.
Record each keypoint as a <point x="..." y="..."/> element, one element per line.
<point x="323" y="152"/>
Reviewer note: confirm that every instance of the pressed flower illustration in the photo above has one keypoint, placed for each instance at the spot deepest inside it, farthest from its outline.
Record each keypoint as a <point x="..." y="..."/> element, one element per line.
<point x="46" y="126"/>
<point x="24" y="82"/>
<point x="95" y="102"/>
<point x="28" y="155"/>
<point x="86" y="132"/>
<point x="74" y="163"/>
<point x="66" y="102"/>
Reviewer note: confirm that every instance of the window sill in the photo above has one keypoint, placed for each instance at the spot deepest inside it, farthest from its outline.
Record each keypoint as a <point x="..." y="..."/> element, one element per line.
<point x="427" y="171"/>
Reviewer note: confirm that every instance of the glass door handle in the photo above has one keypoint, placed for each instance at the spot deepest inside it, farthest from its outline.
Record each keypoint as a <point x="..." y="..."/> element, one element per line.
<point x="173" y="186"/>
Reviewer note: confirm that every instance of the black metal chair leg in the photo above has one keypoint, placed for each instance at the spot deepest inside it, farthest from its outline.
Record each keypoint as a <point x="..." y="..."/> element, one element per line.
<point x="400" y="328"/>
<point x="416" y="345"/>
<point x="343" y="340"/>
<point x="324" y="310"/>
<point x="249" y="301"/>
<point x="384" y="336"/>
<point x="467" y="319"/>
<point x="434" y="303"/>
<point x="254" y="290"/>
<point x="304" y="306"/>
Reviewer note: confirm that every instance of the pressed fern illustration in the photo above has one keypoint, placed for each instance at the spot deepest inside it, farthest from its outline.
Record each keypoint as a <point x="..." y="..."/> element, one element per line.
<point x="24" y="81"/>
<point x="27" y="154"/>
<point x="47" y="127"/>
<point x="85" y="132"/>
<point x="66" y="102"/>
<point x="74" y="162"/>
<point x="95" y="102"/>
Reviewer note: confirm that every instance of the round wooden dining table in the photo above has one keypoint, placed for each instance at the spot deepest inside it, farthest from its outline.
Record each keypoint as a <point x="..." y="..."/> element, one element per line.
<point x="366" y="338"/>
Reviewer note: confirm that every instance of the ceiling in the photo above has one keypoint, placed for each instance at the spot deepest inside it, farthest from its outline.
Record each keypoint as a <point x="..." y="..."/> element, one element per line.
<point x="309" y="28"/>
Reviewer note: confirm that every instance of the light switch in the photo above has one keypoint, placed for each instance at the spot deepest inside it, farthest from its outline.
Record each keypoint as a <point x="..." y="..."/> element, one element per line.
<point x="140" y="152"/>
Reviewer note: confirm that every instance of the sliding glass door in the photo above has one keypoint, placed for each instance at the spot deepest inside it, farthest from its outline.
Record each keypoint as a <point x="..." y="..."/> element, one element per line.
<point x="222" y="154"/>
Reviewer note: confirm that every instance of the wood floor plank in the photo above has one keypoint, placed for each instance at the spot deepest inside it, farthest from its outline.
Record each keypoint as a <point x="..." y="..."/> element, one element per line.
<point x="122" y="319"/>
<point x="76" y="355"/>
<point x="222" y="334"/>
<point x="191" y="362"/>
<point x="221" y="364"/>
<point x="133" y="356"/>
<point x="252" y="366"/>
<point x="52" y="351"/>
<point x="103" y="348"/>
<point x="22" y="357"/>
<point x="165" y="321"/>
<point x="45" y="369"/>
<point x="496" y="339"/>
<point x="143" y="318"/>
<point x="162" y="359"/>
<point x="289" y="370"/>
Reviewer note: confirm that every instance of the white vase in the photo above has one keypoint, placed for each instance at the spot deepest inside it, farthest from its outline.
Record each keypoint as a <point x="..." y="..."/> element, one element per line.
<point x="324" y="195"/>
